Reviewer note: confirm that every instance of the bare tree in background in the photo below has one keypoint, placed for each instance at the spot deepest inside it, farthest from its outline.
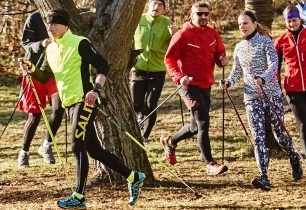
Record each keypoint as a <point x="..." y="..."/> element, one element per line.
<point x="263" y="10"/>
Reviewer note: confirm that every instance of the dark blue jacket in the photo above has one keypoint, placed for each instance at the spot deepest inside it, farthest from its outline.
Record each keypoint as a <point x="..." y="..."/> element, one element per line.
<point x="33" y="33"/>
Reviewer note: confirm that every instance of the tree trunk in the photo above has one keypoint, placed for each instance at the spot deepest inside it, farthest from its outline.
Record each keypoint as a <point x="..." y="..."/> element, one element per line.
<point x="112" y="32"/>
<point x="263" y="10"/>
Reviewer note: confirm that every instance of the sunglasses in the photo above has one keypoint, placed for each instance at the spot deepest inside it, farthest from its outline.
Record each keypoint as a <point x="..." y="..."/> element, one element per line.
<point x="202" y="13"/>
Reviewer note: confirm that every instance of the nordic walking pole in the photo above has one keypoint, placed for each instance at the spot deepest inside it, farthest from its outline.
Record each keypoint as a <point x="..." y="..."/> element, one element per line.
<point x="45" y="119"/>
<point x="14" y="110"/>
<point x="274" y="111"/>
<point x="182" y="113"/>
<point x="223" y="117"/>
<point x="237" y="113"/>
<point x="154" y="156"/>
<point x="177" y="89"/>
<point x="66" y="138"/>
<point x="43" y="114"/>
<point x="280" y="120"/>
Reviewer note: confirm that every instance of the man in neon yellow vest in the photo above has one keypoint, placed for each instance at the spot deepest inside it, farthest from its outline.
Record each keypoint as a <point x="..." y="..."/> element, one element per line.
<point x="70" y="57"/>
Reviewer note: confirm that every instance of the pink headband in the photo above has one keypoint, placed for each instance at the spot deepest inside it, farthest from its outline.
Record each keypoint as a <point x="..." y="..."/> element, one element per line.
<point x="292" y="14"/>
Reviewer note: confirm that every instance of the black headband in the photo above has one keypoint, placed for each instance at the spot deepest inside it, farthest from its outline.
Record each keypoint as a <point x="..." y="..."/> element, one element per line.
<point x="59" y="16"/>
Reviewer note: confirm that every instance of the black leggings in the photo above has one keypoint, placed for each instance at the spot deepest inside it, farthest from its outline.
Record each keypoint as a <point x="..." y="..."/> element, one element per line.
<point x="56" y="116"/>
<point x="84" y="139"/>
<point x="297" y="102"/>
<point x="33" y="120"/>
<point x="198" y="102"/>
<point x="29" y="130"/>
<point x="146" y="88"/>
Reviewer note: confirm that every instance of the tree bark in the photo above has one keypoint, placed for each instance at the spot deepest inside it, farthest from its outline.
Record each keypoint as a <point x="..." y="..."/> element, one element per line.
<point x="263" y="10"/>
<point x="111" y="32"/>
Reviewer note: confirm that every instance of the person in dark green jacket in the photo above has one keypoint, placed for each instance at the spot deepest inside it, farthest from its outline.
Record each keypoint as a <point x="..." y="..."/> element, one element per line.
<point x="70" y="57"/>
<point x="152" y="36"/>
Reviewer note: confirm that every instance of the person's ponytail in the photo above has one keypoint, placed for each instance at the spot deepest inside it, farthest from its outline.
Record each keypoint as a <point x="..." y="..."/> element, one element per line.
<point x="263" y="30"/>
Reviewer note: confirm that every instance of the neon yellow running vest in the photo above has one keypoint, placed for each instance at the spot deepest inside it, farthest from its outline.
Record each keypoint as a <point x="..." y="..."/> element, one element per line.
<point x="65" y="62"/>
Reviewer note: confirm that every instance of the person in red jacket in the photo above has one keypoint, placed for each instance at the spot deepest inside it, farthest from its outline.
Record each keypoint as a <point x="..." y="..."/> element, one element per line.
<point x="190" y="60"/>
<point x="291" y="47"/>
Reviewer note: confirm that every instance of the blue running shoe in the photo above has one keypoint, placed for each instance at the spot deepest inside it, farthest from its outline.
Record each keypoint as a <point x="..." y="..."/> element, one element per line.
<point x="72" y="202"/>
<point x="262" y="182"/>
<point x="135" y="187"/>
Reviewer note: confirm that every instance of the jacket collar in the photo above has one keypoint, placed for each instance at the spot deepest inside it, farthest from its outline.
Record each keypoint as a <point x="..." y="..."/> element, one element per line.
<point x="296" y="32"/>
<point x="151" y="19"/>
<point x="251" y="35"/>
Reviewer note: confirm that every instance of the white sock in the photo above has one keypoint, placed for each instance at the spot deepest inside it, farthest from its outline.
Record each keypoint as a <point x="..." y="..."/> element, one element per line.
<point x="46" y="143"/>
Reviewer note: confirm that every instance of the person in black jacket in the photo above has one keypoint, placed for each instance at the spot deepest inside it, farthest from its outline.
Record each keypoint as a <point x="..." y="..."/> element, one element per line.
<point x="35" y="39"/>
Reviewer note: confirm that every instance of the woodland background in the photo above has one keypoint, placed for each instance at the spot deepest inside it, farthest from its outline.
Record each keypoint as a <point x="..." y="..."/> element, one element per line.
<point x="13" y="14"/>
<point x="40" y="186"/>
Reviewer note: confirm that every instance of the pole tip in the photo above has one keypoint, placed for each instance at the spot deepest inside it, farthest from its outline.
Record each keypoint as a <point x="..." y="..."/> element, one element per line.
<point x="197" y="195"/>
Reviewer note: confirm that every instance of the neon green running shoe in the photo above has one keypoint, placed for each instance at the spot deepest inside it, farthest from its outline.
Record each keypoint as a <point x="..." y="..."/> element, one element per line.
<point x="135" y="187"/>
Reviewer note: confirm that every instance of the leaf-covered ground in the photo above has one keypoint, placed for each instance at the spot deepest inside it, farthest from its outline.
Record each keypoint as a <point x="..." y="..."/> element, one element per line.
<point x="40" y="186"/>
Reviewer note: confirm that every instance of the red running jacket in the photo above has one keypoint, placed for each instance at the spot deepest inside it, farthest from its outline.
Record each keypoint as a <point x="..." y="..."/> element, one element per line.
<point x="194" y="51"/>
<point x="294" y="55"/>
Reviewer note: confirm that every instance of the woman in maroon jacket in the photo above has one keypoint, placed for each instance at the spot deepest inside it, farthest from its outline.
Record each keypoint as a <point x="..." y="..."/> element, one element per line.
<point x="291" y="47"/>
<point x="193" y="53"/>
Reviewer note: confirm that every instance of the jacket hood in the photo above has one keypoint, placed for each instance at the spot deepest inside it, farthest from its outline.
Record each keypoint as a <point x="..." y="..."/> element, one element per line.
<point x="188" y="25"/>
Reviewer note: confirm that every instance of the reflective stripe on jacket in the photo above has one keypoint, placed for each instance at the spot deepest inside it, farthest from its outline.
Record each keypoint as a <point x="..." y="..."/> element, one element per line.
<point x="194" y="52"/>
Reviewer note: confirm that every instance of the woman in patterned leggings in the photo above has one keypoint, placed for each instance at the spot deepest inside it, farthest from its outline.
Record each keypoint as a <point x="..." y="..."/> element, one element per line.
<point x="256" y="59"/>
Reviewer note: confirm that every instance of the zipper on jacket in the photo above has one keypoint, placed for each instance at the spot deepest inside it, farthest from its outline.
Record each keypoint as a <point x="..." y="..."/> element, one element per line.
<point x="299" y="59"/>
<point x="149" y="44"/>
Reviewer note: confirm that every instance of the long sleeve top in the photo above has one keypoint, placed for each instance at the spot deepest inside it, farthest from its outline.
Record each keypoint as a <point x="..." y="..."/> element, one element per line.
<point x="193" y="52"/>
<point x="152" y="36"/>
<point x="255" y="57"/>
<point x="33" y="33"/>
<point x="293" y="51"/>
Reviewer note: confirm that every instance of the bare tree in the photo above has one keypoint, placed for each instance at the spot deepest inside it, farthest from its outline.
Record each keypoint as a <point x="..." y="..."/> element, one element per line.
<point x="111" y="30"/>
<point x="263" y="10"/>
